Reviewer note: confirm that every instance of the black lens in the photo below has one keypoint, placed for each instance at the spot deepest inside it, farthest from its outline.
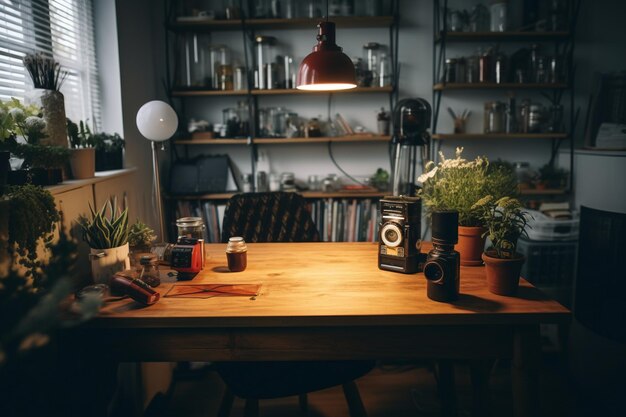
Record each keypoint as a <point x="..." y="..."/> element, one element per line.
<point x="391" y="235"/>
<point x="433" y="271"/>
<point x="445" y="227"/>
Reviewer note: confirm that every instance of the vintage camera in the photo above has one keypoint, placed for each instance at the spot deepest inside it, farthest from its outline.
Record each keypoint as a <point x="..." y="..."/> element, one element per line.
<point x="443" y="264"/>
<point x="187" y="257"/>
<point x="400" y="230"/>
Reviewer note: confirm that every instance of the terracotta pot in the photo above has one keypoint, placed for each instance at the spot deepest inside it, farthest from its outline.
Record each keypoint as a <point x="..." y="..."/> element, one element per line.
<point x="503" y="274"/>
<point x="83" y="162"/>
<point x="471" y="245"/>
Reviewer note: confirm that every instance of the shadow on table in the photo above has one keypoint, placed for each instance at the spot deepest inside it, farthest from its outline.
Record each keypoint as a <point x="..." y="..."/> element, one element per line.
<point x="478" y="304"/>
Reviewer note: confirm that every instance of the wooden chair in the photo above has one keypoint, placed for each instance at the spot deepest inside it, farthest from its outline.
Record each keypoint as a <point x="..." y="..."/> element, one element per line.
<point x="281" y="217"/>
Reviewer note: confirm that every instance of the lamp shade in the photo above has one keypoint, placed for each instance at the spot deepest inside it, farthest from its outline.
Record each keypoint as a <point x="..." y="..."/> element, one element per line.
<point x="157" y="121"/>
<point x="327" y="68"/>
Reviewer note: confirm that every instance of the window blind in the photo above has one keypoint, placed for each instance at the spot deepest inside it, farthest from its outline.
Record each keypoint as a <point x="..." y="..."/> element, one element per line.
<point x="63" y="29"/>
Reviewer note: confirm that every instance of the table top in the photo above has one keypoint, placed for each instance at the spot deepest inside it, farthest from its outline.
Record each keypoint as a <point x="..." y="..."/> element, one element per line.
<point x="330" y="284"/>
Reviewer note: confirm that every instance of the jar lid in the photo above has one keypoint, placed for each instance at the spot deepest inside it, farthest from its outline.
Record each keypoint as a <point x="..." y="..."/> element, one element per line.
<point x="371" y="45"/>
<point x="189" y="221"/>
<point x="236" y="244"/>
<point x="149" y="260"/>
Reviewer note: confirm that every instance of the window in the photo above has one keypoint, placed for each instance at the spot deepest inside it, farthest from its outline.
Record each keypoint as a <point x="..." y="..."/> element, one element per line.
<point x="63" y="29"/>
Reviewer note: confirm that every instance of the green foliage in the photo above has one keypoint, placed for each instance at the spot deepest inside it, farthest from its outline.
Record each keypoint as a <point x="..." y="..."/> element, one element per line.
<point x="105" y="232"/>
<point x="80" y="135"/>
<point x="32" y="219"/>
<point x="140" y="234"/>
<point x="41" y="156"/>
<point x="380" y="179"/>
<point x="107" y="142"/>
<point x="17" y="119"/>
<point x="553" y="176"/>
<point x="457" y="184"/>
<point x="505" y="220"/>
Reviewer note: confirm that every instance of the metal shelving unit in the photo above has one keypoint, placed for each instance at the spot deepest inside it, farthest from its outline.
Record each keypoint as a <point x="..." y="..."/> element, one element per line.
<point x="563" y="41"/>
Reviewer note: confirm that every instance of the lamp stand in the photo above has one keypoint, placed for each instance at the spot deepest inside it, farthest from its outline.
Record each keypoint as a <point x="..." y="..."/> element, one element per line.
<point x="157" y="190"/>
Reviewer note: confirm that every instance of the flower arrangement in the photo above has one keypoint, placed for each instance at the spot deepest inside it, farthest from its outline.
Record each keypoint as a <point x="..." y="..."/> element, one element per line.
<point x="457" y="184"/>
<point x="505" y="220"/>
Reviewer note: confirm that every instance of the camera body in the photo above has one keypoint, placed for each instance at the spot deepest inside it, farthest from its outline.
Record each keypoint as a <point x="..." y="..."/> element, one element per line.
<point x="400" y="235"/>
<point x="443" y="264"/>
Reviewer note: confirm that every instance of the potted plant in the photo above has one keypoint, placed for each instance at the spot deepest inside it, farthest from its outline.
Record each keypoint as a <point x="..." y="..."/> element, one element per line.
<point x="83" y="154"/>
<point x="109" y="151"/>
<point x="457" y="184"/>
<point x="107" y="236"/>
<point x="505" y="221"/>
<point x="48" y="77"/>
<point x="551" y="176"/>
<point x="140" y="237"/>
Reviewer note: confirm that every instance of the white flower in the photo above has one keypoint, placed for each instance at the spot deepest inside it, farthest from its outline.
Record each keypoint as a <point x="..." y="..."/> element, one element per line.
<point x="18" y="115"/>
<point x="35" y="124"/>
<point x="427" y="175"/>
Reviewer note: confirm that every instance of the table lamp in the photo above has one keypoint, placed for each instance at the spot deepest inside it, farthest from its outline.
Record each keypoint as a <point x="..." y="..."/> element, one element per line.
<point x="157" y="121"/>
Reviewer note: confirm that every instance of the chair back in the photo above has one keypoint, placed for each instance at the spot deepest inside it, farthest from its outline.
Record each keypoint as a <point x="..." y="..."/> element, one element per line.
<point x="600" y="289"/>
<point x="269" y="217"/>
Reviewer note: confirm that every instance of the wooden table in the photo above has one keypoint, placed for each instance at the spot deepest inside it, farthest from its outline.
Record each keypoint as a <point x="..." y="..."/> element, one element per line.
<point x="330" y="301"/>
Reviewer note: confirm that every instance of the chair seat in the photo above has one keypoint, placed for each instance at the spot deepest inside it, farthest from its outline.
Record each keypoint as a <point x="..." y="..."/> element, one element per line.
<point x="265" y="380"/>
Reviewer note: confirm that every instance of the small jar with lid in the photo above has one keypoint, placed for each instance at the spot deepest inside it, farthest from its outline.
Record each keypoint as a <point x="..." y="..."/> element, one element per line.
<point x="497" y="117"/>
<point x="237" y="254"/>
<point x="148" y="270"/>
<point x="190" y="227"/>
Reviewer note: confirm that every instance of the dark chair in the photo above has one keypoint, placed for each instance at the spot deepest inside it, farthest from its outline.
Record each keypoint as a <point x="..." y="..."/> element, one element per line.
<point x="597" y="348"/>
<point x="281" y="217"/>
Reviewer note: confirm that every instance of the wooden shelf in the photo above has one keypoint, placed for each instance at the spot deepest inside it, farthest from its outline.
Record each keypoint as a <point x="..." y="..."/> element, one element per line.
<point x="503" y="86"/>
<point x="503" y="36"/>
<point x="275" y="92"/>
<point x="477" y="136"/>
<point x="280" y="141"/>
<point x="342" y="22"/>
<point x="305" y="194"/>
<point x="547" y="191"/>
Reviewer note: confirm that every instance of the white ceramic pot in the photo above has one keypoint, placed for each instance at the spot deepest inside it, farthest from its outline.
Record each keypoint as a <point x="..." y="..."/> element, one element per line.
<point x="83" y="162"/>
<point x="106" y="262"/>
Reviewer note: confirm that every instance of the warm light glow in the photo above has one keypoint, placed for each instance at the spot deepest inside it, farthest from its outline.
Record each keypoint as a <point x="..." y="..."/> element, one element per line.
<point x="326" y="87"/>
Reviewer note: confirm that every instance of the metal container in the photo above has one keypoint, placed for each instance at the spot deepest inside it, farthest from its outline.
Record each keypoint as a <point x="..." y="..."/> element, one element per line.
<point x="497" y="117"/>
<point x="535" y="118"/>
<point x="450" y="70"/>
<point x="240" y="80"/>
<point x="262" y="183"/>
<point x="265" y="56"/>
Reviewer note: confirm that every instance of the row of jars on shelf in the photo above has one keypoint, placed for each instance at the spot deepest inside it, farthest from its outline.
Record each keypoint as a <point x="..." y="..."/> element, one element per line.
<point x="537" y="16"/>
<point x="276" y="9"/>
<point x="526" y="65"/>
<point x="527" y="117"/>
<point x="286" y="181"/>
<point x="202" y="65"/>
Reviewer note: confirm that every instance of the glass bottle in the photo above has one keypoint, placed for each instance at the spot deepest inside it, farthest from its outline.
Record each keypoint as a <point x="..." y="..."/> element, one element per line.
<point x="194" y="61"/>
<point x="499" y="18"/>
<point x="265" y="56"/>
<point x="371" y="53"/>
<point x="384" y="73"/>
<point x="485" y="67"/>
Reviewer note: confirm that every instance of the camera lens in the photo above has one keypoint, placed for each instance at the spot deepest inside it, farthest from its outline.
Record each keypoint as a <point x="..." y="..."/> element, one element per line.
<point x="391" y="235"/>
<point x="433" y="271"/>
<point x="445" y="227"/>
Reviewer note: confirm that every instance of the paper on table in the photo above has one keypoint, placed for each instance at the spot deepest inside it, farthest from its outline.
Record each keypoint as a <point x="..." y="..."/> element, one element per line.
<point x="213" y="290"/>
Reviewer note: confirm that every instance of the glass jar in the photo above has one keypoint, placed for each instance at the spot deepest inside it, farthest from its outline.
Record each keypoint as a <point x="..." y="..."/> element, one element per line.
<point x="473" y="68"/>
<point x="243" y="114"/>
<point x="450" y="71"/>
<point x="237" y="254"/>
<point x="240" y="79"/>
<point x="456" y="21"/>
<point x="288" y="181"/>
<point x="148" y="270"/>
<point x="497" y="117"/>
<point x="225" y="75"/>
<point x="314" y="183"/>
<point x="231" y="9"/>
<point x="535" y="118"/>
<point x="461" y="70"/>
<point x="479" y="18"/>
<point x="313" y="128"/>
<point x="265" y="57"/>
<point x="278" y="120"/>
<point x="292" y="125"/>
<point x="190" y="227"/>
<point x="522" y="172"/>
<point x="500" y="69"/>
<point x="313" y="9"/>
<point x="486" y="114"/>
<point x="485" y="67"/>
<point x="246" y="183"/>
<point x="384" y="72"/>
<point x="194" y="61"/>
<point x="499" y="16"/>
<point x="230" y="119"/>
<point x="371" y="56"/>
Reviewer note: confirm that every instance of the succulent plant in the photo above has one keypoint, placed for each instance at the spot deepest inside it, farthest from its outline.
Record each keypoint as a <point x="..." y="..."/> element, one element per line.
<point x="140" y="234"/>
<point x="105" y="232"/>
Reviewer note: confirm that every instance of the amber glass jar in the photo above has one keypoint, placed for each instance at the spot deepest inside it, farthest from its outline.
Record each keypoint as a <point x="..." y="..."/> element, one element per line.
<point x="237" y="254"/>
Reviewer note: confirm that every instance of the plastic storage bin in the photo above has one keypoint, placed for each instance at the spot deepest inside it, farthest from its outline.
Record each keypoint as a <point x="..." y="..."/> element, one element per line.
<point x="544" y="228"/>
<point x="548" y="264"/>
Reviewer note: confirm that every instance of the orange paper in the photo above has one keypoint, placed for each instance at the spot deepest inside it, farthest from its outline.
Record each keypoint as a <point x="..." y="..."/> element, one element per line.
<point x="213" y="290"/>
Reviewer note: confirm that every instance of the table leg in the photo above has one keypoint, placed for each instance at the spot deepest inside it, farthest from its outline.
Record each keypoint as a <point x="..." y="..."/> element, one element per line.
<point x="446" y="388"/>
<point x="480" y="371"/>
<point x="525" y="371"/>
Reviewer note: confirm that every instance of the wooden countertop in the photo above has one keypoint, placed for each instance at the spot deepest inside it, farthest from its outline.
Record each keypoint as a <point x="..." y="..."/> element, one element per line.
<point x="330" y="284"/>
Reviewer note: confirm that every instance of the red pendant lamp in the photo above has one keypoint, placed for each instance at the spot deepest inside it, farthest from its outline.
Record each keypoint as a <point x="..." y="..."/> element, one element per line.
<point x="327" y="68"/>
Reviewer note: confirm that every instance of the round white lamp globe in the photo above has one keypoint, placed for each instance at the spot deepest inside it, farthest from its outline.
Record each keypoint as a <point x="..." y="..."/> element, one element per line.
<point x="157" y="121"/>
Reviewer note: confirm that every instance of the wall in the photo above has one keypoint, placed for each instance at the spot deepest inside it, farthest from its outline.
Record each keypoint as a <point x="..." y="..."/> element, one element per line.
<point x="141" y="61"/>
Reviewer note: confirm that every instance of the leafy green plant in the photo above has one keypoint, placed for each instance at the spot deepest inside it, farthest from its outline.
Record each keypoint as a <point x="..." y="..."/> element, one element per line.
<point x="457" y="184"/>
<point x="105" y="232"/>
<point x="553" y="176"/>
<point x="41" y="156"/>
<point x="380" y="179"/>
<point x="45" y="71"/>
<point x="79" y="134"/>
<point x="32" y="219"/>
<point x="17" y="119"/>
<point x="107" y="142"/>
<point x="140" y="234"/>
<point x="505" y="220"/>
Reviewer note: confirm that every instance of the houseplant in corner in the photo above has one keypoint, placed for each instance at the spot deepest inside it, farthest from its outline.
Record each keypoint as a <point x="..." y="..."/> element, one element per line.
<point x="457" y="184"/>
<point x="107" y="236"/>
<point x="83" y="154"/>
<point x="48" y="77"/>
<point x="505" y="221"/>
<point x="109" y="151"/>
